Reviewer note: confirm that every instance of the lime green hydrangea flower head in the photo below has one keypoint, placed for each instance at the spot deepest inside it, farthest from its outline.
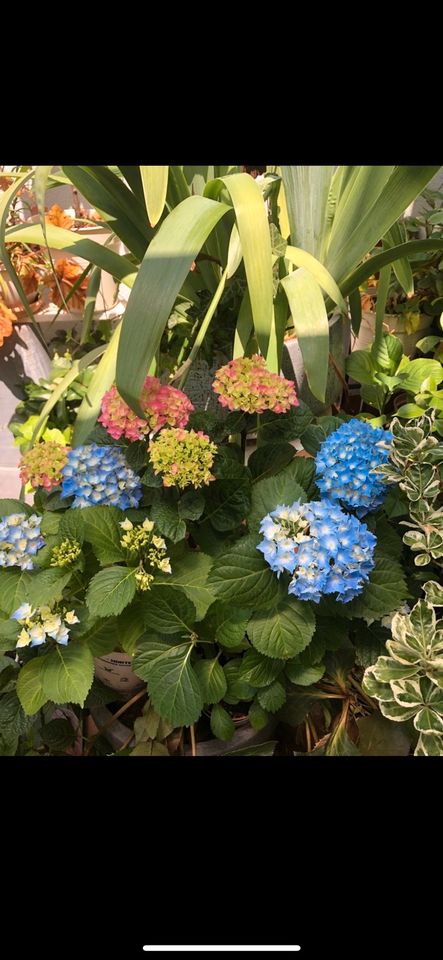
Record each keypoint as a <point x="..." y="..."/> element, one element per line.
<point x="142" y="545"/>
<point x="184" y="457"/>
<point x="65" y="554"/>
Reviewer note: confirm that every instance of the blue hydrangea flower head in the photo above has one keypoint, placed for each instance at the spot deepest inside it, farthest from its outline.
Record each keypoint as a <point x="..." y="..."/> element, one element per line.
<point x="345" y="463"/>
<point x="325" y="550"/>
<point x="97" y="475"/>
<point x="20" y="538"/>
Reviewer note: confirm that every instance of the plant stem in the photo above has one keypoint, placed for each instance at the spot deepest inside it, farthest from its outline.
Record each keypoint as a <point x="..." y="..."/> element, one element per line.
<point x="193" y="743"/>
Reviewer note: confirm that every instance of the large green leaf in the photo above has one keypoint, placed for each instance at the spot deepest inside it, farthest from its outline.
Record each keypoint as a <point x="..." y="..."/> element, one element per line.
<point x="102" y="529"/>
<point x="161" y="274"/>
<point x="228" y="500"/>
<point x="361" y="187"/>
<point x="306" y="193"/>
<point x="243" y="576"/>
<point x="212" y="680"/>
<point x="168" y="610"/>
<point x="167" y="521"/>
<point x="300" y="258"/>
<point x="310" y="321"/>
<point x="190" y="574"/>
<point x="222" y="725"/>
<point x="402" y="268"/>
<point x="386" y="591"/>
<point x="253" y="229"/>
<point x="273" y="697"/>
<point x="258" y="670"/>
<point x="102" y="380"/>
<point x="155" y="186"/>
<point x="347" y="249"/>
<point x="118" y="266"/>
<point x="110" y="591"/>
<point x="284" y="631"/>
<point x="109" y="194"/>
<point x="30" y="690"/>
<point x="68" y="673"/>
<point x="173" y="685"/>
<point x="283" y="488"/>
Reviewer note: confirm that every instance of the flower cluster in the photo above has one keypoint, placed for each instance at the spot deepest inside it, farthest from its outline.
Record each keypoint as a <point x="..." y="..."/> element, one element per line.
<point x="42" y="466"/>
<point x="246" y="384"/>
<point x="20" y="539"/>
<point x="163" y="406"/>
<point x="150" y="550"/>
<point x="184" y="457"/>
<point x="99" y="475"/>
<point x="325" y="549"/>
<point x="345" y="463"/>
<point x="43" y="622"/>
<point x="65" y="554"/>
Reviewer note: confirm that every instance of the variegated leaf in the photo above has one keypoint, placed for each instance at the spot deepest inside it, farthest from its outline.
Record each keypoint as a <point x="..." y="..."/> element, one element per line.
<point x="373" y="687"/>
<point x="386" y="669"/>
<point x="407" y="693"/>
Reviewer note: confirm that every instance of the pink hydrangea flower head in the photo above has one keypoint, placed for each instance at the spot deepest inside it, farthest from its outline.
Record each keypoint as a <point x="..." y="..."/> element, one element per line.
<point x="184" y="457"/>
<point x="246" y="384"/>
<point x="163" y="406"/>
<point x="42" y="466"/>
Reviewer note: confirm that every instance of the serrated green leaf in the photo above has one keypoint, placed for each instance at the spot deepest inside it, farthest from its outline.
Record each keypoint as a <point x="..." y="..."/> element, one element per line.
<point x="284" y="488"/>
<point x="13" y="720"/>
<point x="270" y="458"/>
<point x="258" y="718"/>
<point x="9" y="506"/>
<point x="67" y="673"/>
<point x="71" y="525"/>
<point x="110" y="591"/>
<point x="130" y="627"/>
<point x="167" y="520"/>
<point x="385" y="591"/>
<point x="243" y="576"/>
<point x="283" y="631"/>
<point x="304" y="676"/>
<point x="103" y="637"/>
<point x="222" y="725"/>
<point x="212" y="680"/>
<point x="47" y="586"/>
<point x="58" y="734"/>
<point x="238" y="689"/>
<point x="228" y="499"/>
<point x="102" y="530"/>
<point x="224" y="624"/>
<point x="259" y="671"/>
<point x="190" y="574"/>
<point x="172" y="682"/>
<point x="50" y="523"/>
<point x="29" y="686"/>
<point x="284" y="426"/>
<point x="191" y="505"/>
<point x="273" y="697"/>
<point x="168" y="610"/>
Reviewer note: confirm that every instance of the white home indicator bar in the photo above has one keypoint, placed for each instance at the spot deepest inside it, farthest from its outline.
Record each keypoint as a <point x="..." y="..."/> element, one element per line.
<point x="219" y="949"/>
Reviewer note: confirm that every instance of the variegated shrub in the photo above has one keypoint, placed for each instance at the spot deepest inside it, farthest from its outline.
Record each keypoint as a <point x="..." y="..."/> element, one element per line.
<point x="415" y="464"/>
<point x="409" y="682"/>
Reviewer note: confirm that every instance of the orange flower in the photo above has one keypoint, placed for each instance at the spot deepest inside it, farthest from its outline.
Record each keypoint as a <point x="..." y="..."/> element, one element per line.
<point x="7" y="318"/>
<point x="58" y="217"/>
<point x="68" y="272"/>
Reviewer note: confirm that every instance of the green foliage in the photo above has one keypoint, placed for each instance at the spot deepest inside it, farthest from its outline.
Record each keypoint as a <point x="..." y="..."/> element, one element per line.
<point x="416" y="459"/>
<point x="409" y="682"/>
